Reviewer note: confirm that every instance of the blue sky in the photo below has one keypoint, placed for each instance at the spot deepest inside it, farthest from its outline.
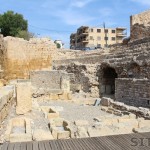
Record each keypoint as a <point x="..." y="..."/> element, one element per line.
<point x="58" y="18"/>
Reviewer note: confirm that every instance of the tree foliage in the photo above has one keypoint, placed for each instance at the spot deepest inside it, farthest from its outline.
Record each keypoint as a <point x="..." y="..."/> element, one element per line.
<point x="25" y="34"/>
<point x="58" y="45"/>
<point x="12" y="23"/>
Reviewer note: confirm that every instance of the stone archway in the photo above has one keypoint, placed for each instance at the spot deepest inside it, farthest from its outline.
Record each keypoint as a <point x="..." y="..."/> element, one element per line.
<point x="107" y="82"/>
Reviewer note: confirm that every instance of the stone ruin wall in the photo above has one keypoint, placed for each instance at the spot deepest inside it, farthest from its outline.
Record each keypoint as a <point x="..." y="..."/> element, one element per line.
<point x="129" y="61"/>
<point x="136" y="92"/>
<point x="2" y="54"/>
<point x="140" y="25"/>
<point x="23" y="56"/>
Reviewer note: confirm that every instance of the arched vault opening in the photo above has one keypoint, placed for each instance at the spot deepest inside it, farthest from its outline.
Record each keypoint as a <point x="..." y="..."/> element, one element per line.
<point x="107" y="82"/>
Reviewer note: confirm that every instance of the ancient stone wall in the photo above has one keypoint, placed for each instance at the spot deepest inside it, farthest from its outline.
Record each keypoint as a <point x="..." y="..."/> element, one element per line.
<point x="23" y="56"/>
<point x="84" y="77"/>
<point x="134" y="92"/>
<point x="140" y="25"/>
<point x="52" y="83"/>
<point x="128" y="61"/>
<point x="2" y="54"/>
<point x="7" y="98"/>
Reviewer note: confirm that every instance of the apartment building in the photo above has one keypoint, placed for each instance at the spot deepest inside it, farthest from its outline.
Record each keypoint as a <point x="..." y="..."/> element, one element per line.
<point x="87" y="37"/>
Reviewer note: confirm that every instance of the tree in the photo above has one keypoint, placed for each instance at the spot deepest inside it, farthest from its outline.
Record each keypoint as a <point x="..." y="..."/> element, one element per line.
<point x="25" y="34"/>
<point x="58" y="45"/>
<point x="12" y="23"/>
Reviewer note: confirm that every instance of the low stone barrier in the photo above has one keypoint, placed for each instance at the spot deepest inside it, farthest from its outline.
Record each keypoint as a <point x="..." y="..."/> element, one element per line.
<point x="112" y="106"/>
<point x="7" y="98"/>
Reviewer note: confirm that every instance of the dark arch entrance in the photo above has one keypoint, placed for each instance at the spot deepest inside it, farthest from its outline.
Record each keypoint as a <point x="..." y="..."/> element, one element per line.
<point x="108" y="82"/>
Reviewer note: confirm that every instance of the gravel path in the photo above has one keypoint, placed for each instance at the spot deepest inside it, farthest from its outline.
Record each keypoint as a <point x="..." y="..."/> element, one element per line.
<point x="72" y="111"/>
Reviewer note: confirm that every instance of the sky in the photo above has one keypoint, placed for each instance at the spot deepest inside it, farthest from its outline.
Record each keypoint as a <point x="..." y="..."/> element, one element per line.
<point x="57" y="19"/>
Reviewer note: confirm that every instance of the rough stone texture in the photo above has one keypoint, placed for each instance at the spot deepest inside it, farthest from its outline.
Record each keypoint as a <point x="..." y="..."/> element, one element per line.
<point x="41" y="135"/>
<point x="59" y="128"/>
<point x="120" y="109"/>
<point x="56" y="84"/>
<point x="81" y="132"/>
<point x="81" y="123"/>
<point x="7" y="99"/>
<point x="140" y="25"/>
<point x="24" y="101"/>
<point x="49" y="112"/>
<point x="134" y="92"/>
<point x="21" y="56"/>
<point x="19" y="135"/>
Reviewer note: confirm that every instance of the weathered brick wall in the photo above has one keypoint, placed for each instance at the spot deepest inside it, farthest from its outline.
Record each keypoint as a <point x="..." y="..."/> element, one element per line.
<point x="140" y="25"/>
<point x="23" y="56"/>
<point x="134" y="92"/>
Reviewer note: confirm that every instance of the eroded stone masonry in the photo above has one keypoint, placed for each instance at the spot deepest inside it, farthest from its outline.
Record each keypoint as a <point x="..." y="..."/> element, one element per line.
<point x="47" y="94"/>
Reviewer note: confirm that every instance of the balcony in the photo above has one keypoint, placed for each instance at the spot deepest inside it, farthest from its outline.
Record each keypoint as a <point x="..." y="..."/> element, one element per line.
<point x="121" y="34"/>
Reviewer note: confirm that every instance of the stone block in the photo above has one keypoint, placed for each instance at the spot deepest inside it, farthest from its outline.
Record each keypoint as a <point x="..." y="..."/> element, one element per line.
<point x="63" y="135"/>
<point x="18" y="130"/>
<point x="110" y="121"/>
<point x="144" y="123"/>
<point x="41" y="135"/>
<point x="65" y="82"/>
<point x="104" y="108"/>
<point x="110" y="110"/>
<point x="92" y="132"/>
<point x="63" y="96"/>
<point x="128" y="123"/>
<point x="3" y="99"/>
<point x="24" y="101"/>
<point x="132" y="116"/>
<point x="59" y="128"/>
<point x="141" y="130"/>
<point x="3" y="113"/>
<point x="69" y="96"/>
<point x="81" y="132"/>
<point x="106" y="101"/>
<point x="126" y="117"/>
<point x="50" y="112"/>
<point x="54" y="96"/>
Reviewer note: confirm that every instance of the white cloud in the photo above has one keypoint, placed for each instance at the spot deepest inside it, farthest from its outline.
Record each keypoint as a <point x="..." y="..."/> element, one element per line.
<point x="80" y="3"/>
<point x="144" y="2"/>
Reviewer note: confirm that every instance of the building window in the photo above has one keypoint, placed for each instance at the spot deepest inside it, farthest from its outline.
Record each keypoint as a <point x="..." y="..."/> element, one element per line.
<point x="148" y="102"/>
<point x="91" y="37"/>
<point x="106" y="30"/>
<point x="106" y="38"/>
<point x="113" y="38"/>
<point x="91" y="30"/>
<point x="113" y="31"/>
<point x="99" y="30"/>
<point x="98" y="38"/>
